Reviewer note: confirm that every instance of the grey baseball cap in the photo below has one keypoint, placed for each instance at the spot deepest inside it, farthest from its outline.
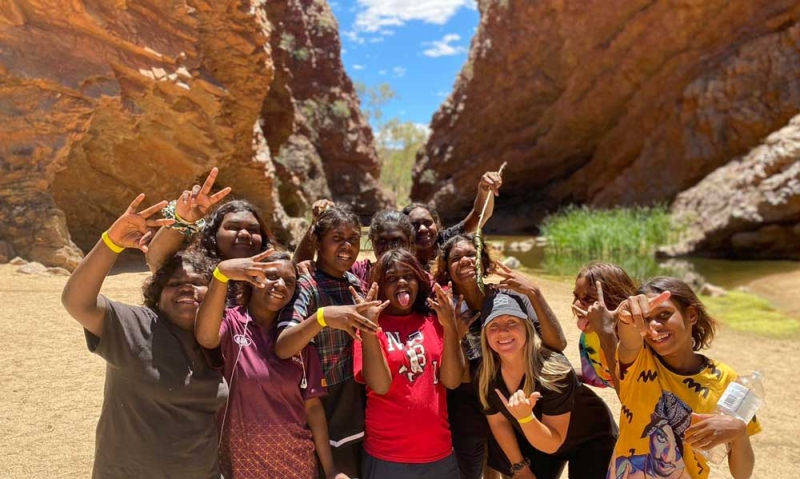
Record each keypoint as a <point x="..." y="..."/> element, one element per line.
<point x="502" y="303"/>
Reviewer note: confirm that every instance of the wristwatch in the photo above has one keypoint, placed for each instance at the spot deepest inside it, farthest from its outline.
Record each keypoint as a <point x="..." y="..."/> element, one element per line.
<point x="517" y="467"/>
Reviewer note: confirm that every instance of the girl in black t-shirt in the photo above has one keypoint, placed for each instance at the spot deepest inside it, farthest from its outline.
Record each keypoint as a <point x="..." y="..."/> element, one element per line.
<point x="541" y="417"/>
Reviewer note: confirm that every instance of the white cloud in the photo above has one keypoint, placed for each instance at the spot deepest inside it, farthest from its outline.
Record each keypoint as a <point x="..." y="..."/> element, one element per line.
<point x="375" y="15"/>
<point x="382" y="72"/>
<point x="444" y="47"/>
<point x="399" y="71"/>
<point x="344" y="50"/>
<point x="353" y="37"/>
<point x="375" y="40"/>
<point x="358" y="67"/>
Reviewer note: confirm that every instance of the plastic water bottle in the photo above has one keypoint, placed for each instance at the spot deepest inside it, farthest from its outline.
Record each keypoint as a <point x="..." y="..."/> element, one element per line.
<point x="741" y="400"/>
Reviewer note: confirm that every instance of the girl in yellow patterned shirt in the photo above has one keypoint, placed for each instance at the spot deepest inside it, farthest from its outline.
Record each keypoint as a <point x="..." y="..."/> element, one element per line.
<point x="669" y="390"/>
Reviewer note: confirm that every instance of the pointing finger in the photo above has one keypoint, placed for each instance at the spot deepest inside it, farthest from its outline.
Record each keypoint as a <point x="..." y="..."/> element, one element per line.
<point x="356" y="297"/>
<point x="220" y="194"/>
<point x="600" y="298"/>
<point x="263" y="255"/>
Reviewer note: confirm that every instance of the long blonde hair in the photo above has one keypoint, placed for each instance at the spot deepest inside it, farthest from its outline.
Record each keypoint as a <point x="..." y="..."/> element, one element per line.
<point x="541" y="364"/>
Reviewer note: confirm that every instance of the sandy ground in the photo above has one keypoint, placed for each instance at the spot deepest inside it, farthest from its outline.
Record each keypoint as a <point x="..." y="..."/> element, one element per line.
<point x="52" y="387"/>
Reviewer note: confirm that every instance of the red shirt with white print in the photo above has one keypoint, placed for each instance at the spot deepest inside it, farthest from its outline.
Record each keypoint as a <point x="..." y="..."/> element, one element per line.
<point x="408" y="423"/>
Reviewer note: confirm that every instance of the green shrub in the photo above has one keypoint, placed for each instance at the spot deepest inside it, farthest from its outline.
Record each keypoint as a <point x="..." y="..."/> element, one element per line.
<point x="747" y="312"/>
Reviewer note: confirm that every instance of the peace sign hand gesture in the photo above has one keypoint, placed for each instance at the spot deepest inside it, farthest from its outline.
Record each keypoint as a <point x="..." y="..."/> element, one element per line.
<point x="443" y="305"/>
<point x="248" y="269"/>
<point x="465" y="317"/>
<point x="520" y="405"/>
<point x="132" y="229"/>
<point x="513" y="280"/>
<point x="370" y="307"/>
<point x="194" y="204"/>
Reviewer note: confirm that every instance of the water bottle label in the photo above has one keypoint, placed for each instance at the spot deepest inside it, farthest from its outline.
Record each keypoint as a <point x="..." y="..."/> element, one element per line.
<point x="740" y="401"/>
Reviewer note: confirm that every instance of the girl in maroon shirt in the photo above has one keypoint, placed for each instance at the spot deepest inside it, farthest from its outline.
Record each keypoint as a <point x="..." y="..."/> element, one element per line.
<point x="274" y="420"/>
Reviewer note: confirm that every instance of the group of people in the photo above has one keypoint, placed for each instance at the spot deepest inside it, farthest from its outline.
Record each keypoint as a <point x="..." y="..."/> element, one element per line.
<point x="246" y="361"/>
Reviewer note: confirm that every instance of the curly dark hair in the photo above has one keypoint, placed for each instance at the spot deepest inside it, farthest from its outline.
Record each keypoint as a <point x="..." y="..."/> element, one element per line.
<point x="430" y="209"/>
<point x="403" y="258"/>
<point x="441" y="273"/>
<point x="207" y="240"/>
<point x="332" y="217"/>
<point x="243" y="290"/>
<point x="154" y="285"/>
<point x="684" y="298"/>
<point x="391" y="218"/>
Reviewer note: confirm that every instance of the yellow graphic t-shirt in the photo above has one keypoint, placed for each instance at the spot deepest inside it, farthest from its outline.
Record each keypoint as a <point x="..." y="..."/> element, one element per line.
<point x="657" y="407"/>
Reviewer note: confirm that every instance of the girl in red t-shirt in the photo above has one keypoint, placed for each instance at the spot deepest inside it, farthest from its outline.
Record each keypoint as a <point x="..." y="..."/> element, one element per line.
<point x="406" y="366"/>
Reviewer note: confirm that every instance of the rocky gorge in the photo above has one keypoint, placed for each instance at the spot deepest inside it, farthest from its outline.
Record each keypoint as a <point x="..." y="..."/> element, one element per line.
<point x="626" y="102"/>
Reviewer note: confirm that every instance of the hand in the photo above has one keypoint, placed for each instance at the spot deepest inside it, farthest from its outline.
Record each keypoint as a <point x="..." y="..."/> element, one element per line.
<point x="372" y="312"/>
<point x="465" y="318"/>
<point x="248" y="269"/>
<point x="443" y="305"/>
<point x="491" y="180"/>
<point x="519" y="404"/>
<point x="636" y="309"/>
<point x="351" y="318"/>
<point x="318" y="207"/>
<point x="132" y="229"/>
<point x="514" y="280"/>
<point x="710" y="430"/>
<point x="306" y="268"/>
<point x="597" y="318"/>
<point x="194" y="205"/>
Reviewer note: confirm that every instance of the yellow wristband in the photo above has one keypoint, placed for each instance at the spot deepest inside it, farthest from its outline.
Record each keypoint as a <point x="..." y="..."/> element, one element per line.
<point x="525" y="420"/>
<point x="111" y="245"/>
<point x="321" y="318"/>
<point x="220" y="277"/>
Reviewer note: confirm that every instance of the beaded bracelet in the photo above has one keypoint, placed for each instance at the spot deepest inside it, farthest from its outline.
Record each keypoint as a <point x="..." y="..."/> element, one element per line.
<point x="181" y="225"/>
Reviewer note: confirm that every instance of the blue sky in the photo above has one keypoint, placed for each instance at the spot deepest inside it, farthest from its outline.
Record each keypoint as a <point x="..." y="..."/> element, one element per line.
<point x="416" y="46"/>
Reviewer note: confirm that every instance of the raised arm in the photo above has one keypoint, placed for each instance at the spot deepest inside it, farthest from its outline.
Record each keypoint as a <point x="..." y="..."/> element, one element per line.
<point x="209" y="316"/>
<point x="453" y="362"/>
<point x="305" y="250"/>
<point x="81" y="296"/>
<point x="552" y="334"/>
<point x="632" y="318"/>
<point x="192" y="206"/>
<point x="488" y="188"/>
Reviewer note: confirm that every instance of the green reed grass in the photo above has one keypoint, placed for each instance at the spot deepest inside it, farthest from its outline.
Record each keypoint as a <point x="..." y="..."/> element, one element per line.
<point x="628" y="237"/>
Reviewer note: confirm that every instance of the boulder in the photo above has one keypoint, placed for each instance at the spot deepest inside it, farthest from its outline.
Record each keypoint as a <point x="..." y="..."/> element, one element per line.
<point x="749" y="208"/>
<point x="6" y="252"/>
<point x="619" y="102"/>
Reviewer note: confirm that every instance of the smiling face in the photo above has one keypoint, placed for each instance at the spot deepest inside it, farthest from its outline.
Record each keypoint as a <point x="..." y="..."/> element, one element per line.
<point x="673" y="329"/>
<point x="239" y="235"/>
<point x="182" y="295"/>
<point x="666" y="458"/>
<point x="584" y="295"/>
<point x="425" y="227"/>
<point x="506" y="335"/>
<point x="400" y="287"/>
<point x="389" y="237"/>
<point x="338" y="249"/>
<point x="280" y="286"/>
<point x="461" y="264"/>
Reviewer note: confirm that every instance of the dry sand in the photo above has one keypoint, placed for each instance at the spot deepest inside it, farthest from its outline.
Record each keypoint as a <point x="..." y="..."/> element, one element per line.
<point x="52" y="387"/>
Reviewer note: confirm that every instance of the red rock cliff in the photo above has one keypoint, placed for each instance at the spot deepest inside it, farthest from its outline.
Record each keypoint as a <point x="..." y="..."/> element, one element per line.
<point x="101" y="100"/>
<point x="609" y="102"/>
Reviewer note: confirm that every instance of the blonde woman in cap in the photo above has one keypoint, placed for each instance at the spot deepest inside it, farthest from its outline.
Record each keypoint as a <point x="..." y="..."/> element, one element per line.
<point x="541" y="417"/>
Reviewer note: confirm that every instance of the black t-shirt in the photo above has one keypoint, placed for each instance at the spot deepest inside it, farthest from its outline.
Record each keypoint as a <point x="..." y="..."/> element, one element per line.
<point x="590" y="417"/>
<point x="464" y="407"/>
<point x="444" y="235"/>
